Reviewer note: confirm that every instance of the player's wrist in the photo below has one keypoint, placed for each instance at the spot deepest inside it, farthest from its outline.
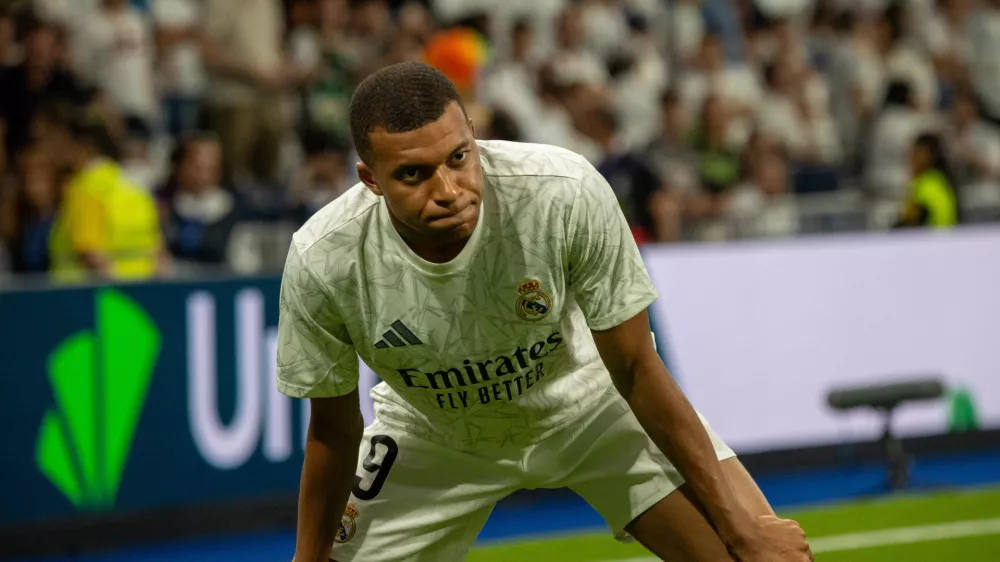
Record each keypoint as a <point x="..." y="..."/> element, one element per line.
<point x="737" y="527"/>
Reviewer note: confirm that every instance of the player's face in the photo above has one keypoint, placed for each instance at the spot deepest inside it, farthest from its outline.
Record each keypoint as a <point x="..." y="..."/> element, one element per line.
<point x="431" y="177"/>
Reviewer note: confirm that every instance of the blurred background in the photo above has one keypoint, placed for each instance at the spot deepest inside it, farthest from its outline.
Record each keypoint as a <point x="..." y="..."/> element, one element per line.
<point x="815" y="185"/>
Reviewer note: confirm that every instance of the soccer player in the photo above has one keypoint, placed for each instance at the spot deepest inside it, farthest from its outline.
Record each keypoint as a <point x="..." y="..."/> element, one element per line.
<point x="497" y="291"/>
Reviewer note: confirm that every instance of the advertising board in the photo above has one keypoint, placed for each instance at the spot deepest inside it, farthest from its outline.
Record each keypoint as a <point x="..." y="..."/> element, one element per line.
<point x="144" y="396"/>
<point x="759" y="333"/>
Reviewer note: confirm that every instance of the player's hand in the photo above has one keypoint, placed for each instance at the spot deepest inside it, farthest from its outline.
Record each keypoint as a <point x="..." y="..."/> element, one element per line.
<point x="773" y="540"/>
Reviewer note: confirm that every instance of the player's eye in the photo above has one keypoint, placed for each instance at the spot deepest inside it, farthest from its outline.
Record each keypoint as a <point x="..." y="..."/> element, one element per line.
<point x="460" y="157"/>
<point x="408" y="175"/>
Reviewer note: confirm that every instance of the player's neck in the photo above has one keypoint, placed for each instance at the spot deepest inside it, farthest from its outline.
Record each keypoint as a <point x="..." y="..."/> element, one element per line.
<point x="439" y="253"/>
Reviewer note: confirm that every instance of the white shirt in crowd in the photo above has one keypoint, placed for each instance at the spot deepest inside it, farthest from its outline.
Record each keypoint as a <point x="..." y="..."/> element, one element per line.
<point x="116" y="53"/>
<point x="688" y="29"/>
<point x="737" y="85"/>
<point x="753" y="214"/>
<point x="985" y="67"/>
<point x="809" y="136"/>
<point x="979" y="143"/>
<point x="605" y="26"/>
<point x="181" y="71"/>
<point x="908" y="63"/>
<point x="892" y="139"/>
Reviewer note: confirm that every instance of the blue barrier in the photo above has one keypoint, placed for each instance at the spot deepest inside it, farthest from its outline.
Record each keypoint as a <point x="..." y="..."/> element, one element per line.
<point x="142" y="396"/>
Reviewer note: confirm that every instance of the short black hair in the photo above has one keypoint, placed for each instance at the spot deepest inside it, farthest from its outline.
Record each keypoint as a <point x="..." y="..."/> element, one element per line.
<point x="89" y="129"/>
<point x="399" y="98"/>
<point x="898" y="93"/>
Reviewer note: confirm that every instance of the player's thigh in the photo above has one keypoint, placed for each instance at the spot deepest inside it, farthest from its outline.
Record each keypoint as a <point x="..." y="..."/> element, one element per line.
<point x="677" y="528"/>
<point x="621" y="473"/>
<point x="417" y="501"/>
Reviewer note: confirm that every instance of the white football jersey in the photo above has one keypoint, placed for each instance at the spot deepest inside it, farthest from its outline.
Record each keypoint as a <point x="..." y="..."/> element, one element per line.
<point x="491" y="349"/>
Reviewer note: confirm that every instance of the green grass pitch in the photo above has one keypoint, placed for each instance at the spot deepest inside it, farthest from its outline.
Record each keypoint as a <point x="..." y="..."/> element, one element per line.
<point x="946" y="526"/>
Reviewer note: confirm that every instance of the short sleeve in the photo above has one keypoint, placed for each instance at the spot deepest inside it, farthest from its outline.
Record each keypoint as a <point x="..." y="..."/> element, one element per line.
<point x="315" y="356"/>
<point x="606" y="272"/>
<point x="87" y="219"/>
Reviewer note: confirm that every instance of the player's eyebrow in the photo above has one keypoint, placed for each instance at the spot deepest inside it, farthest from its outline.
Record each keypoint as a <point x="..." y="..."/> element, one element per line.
<point x="399" y="169"/>
<point x="461" y="146"/>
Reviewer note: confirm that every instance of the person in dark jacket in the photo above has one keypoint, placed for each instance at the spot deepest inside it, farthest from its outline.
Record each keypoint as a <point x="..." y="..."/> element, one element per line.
<point x="199" y="214"/>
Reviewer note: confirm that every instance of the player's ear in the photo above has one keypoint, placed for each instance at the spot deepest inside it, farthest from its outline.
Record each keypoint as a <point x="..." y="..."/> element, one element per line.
<point x="472" y="127"/>
<point x="367" y="177"/>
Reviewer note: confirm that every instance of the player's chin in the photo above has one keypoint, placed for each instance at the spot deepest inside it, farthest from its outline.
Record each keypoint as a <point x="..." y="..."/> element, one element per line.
<point x="456" y="232"/>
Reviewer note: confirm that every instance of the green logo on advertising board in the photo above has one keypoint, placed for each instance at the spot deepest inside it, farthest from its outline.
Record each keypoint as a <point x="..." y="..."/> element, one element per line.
<point x="99" y="380"/>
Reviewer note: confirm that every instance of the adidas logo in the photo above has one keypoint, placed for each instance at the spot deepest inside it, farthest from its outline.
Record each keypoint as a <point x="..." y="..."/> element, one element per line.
<point x="398" y="335"/>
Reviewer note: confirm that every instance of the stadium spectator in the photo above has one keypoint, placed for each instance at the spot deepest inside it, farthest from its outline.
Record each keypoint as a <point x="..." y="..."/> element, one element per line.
<point x="573" y="63"/>
<point x="322" y="50"/>
<point x="511" y="83"/>
<point x="687" y="31"/>
<point x="371" y="30"/>
<point x="29" y="211"/>
<point x="985" y="65"/>
<point x="975" y="142"/>
<point x="139" y="162"/>
<point x="242" y="48"/>
<point x="199" y="215"/>
<point x="605" y="27"/>
<point x="181" y="69"/>
<point x="676" y="164"/>
<point x="669" y="153"/>
<point x="640" y="76"/>
<point x="323" y="176"/>
<point x="905" y="61"/>
<point x="760" y="206"/>
<point x="893" y="133"/>
<point x="932" y="200"/>
<point x="733" y="84"/>
<point x="115" y="51"/>
<point x="105" y="226"/>
<point x="795" y="109"/>
<point x="718" y="163"/>
<point x="35" y="81"/>
<point x="630" y="176"/>
<point x="944" y="33"/>
<point x="503" y="127"/>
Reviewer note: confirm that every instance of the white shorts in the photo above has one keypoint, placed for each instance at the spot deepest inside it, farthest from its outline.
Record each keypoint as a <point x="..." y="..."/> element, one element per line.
<point x="420" y="501"/>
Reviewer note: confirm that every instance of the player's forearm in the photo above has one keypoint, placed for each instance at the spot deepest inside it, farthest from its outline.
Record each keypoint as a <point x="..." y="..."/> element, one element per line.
<point x="674" y="426"/>
<point x="327" y="479"/>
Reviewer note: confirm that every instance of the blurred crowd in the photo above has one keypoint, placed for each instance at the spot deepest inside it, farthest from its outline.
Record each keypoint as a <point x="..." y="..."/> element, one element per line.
<point x="144" y="136"/>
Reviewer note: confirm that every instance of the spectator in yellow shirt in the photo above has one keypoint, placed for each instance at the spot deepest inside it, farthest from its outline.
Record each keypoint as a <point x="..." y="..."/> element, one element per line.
<point x="106" y="226"/>
<point x="932" y="201"/>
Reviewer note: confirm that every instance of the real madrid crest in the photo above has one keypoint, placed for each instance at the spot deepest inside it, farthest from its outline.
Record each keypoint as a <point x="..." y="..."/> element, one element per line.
<point x="348" y="524"/>
<point x="533" y="303"/>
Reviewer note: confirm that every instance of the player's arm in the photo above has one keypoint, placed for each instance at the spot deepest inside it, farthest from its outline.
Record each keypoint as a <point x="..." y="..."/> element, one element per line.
<point x="335" y="427"/>
<point x="613" y="289"/>
<point x="671" y="422"/>
<point x="317" y="361"/>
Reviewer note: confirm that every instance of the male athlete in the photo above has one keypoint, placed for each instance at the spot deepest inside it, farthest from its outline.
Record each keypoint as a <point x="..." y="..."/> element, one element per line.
<point x="497" y="291"/>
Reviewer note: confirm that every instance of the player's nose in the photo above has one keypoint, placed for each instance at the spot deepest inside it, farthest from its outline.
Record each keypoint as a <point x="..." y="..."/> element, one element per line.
<point x="446" y="190"/>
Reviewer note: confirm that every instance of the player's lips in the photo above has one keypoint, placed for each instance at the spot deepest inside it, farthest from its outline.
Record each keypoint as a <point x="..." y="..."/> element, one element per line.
<point x="455" y="220"/>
